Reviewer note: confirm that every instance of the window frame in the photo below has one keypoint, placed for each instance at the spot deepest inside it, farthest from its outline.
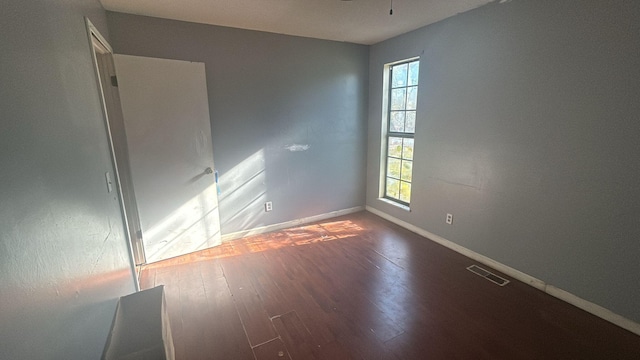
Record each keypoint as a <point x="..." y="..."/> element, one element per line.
<point x="387" y="109"/>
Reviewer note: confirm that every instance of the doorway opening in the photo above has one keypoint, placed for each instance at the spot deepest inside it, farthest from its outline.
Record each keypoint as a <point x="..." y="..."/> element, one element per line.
<point x="102" y="55"/>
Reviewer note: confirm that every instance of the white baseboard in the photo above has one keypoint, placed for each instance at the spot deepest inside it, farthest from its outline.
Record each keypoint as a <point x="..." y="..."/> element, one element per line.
<point x="594" y="309"/>
<point x="288" y="224"/>
<point x="563" y="295"/>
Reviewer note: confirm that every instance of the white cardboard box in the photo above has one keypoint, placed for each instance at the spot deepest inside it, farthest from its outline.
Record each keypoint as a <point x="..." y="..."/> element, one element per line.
<point x="140" y="329"/>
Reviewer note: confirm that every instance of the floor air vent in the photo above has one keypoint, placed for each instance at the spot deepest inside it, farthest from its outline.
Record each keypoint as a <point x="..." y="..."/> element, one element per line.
<point x="488" y="275"/>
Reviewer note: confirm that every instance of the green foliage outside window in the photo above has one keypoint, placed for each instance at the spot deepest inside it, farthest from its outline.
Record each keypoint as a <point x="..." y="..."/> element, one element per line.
<point x="403" y="102"/>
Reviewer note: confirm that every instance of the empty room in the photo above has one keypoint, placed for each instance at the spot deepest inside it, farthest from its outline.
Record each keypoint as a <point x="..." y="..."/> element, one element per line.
<point x="326" y="179"/>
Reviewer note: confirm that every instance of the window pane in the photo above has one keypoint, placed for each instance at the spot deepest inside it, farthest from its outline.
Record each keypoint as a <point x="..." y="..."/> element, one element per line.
<point x="399" y="76"/>
<point x="401" y="117"/>
<point x="397" y="121"/>
<point x="393" y="168"/>
<point x="406" y="170"/>
<point x="413" y="73"/>
<point x="393" y="188"/>
<point x="410" y="124"/>
<point x="405" y="191"/>
<point x="407" y="149"/>
<point x="398" y="99"/>
<point x="412" y="98"/>
<point x="395" y="147"/>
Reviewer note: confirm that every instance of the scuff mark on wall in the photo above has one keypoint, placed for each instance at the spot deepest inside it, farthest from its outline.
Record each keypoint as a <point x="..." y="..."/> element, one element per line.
<point x="104" y="247"/>
<point x="201" y="142"/>
<point x="297" y="147"/>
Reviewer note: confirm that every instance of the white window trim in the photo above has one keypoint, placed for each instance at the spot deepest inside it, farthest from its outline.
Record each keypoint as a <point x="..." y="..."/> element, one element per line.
<point x="384" y="134"/>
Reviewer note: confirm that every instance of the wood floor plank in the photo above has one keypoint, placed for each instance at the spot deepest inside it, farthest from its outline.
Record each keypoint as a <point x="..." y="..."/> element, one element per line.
<point x="272" y="350"/>
<point x="172" y="297"/>
<point x="274" y="300"/>
<point x="296" y="336"/>
<point x="350" y="298"/>
<point x="359" y="287"/>
<point x="427" y="346"/>
<point x="333" y="351"/>
<point x="291" y="286"/>
<point x="255" y="319"/>
<point x="225" y="334"/>
<point x="194" y="324"/>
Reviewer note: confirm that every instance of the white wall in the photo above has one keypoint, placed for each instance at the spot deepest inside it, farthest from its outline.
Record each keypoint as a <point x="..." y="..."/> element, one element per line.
<point x="268" y="92"/>
<point x="527" y="133"/>
<point x="64" y="260"/>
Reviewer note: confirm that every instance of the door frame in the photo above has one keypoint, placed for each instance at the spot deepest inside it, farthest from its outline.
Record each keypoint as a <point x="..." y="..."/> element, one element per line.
<point x="97" y="42"/>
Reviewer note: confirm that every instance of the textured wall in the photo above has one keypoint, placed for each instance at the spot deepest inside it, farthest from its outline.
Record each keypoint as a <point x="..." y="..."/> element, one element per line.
<point x="527" y="132"/>
<point x="64" y="260"/>
<point x="267" y="94"/>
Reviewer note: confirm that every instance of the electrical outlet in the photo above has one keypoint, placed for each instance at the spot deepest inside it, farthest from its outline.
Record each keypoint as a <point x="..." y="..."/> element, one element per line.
<point x="268" y="206"/>
<point x="449" y="219"/>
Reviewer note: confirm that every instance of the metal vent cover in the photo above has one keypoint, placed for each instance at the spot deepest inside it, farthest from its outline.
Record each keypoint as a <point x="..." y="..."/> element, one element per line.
<point x="488" y="275"/>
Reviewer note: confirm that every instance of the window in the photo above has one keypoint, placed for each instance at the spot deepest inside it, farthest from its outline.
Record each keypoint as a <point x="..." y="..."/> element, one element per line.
<point x="402" y="100"/>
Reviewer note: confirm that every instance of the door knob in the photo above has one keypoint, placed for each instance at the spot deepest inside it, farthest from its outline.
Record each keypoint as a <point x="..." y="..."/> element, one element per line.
<point x="208" y="170"/>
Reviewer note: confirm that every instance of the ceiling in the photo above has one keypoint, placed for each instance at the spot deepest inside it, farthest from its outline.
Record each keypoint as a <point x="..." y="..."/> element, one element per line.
<point x="357" y="21"/>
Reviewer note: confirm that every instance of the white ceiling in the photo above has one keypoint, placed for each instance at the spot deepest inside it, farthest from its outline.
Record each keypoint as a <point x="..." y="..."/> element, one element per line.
<point x="356" y="21"/>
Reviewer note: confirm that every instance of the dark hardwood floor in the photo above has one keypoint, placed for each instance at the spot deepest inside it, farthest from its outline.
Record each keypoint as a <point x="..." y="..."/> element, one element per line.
<point x="359" y="287"/>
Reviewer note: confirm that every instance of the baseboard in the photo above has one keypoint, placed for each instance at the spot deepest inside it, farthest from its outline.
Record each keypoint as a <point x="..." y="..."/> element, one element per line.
<point x="563" y="295"/>
<point x="288" y="224"/>
<point x="594" y="309"/>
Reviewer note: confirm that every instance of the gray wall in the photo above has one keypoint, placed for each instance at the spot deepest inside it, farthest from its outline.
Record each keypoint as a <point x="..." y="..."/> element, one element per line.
<point x="267" y="92"/>
<point x="64" y="260"/>
<point x="528" y="133"/>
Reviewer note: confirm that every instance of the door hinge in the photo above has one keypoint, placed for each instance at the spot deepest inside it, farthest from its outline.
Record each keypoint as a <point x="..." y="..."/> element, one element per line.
<point x="139" y="234"/>
<point x="114" y="81"/>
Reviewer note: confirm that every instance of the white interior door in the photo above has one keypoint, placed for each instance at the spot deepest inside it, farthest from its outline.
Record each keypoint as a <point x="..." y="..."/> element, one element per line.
<point x="166" y="116"/>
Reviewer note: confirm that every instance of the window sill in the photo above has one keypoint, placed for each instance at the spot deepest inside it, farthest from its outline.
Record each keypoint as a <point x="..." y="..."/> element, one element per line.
<point x="391" y="202"/>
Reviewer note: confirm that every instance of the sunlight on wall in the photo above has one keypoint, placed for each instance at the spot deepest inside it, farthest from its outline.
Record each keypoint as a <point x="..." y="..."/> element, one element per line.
<point x="195" y="225"/>
<point x="191" y="227"/>
<point x="243" y="189"/>
<point x="343" y="230"/>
